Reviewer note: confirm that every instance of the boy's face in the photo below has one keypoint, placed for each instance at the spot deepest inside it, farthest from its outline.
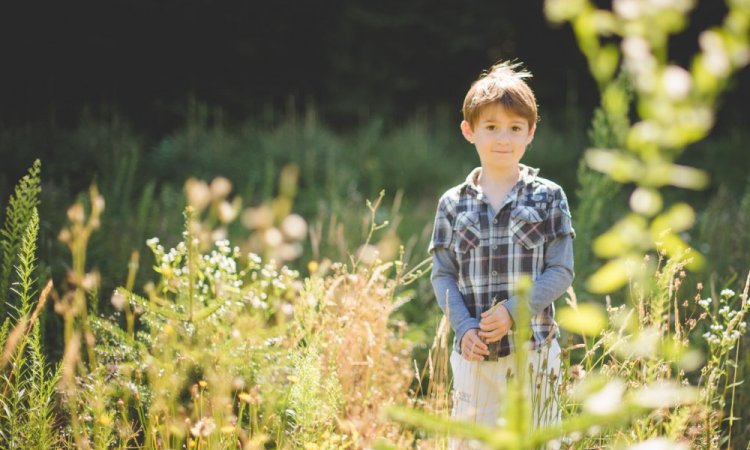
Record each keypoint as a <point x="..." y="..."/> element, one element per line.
<point x="500" y="137"/>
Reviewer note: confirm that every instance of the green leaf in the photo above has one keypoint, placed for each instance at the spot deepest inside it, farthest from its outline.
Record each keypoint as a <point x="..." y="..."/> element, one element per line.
<point x="588" y="319"/>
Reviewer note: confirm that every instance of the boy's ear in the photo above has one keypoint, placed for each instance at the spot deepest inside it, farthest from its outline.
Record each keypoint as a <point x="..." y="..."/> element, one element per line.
<point x="467" y="131"/>
<point x="531" y="134"/>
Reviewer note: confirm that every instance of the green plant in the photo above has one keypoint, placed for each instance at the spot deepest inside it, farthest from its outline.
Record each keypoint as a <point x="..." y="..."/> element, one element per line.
<point x="27" y="383"/>
<point x="22" y="207"/>
<point x="675" y="108"/>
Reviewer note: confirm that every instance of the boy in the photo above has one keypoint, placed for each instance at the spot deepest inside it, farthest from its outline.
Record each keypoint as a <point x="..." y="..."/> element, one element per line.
<point x="502" y="223"/>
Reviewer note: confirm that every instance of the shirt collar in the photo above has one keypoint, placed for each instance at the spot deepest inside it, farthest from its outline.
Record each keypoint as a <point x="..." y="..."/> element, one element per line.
<point x="528" y="175"/>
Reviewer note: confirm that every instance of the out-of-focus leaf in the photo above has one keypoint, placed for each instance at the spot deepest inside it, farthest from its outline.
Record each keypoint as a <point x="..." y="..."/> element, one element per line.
<point x="611" y="276"/>
<point x="588" y="319"/>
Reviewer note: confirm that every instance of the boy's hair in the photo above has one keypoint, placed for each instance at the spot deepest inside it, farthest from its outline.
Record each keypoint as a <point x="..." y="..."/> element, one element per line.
<point x="502" y="84"/>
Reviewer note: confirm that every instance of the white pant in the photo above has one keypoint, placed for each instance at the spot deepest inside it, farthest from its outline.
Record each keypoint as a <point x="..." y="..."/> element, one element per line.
<point x="479" y="388"/>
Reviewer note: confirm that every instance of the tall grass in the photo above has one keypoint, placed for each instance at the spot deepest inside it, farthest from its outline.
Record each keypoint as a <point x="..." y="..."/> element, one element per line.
<point x="229" y="350"/>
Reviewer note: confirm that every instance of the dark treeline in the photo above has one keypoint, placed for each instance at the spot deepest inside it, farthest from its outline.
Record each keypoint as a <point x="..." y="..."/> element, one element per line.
<point x="351" y="59"/>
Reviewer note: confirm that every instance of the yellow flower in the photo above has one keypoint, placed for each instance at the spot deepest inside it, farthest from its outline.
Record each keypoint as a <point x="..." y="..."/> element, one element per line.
<point x="105" y="420"/>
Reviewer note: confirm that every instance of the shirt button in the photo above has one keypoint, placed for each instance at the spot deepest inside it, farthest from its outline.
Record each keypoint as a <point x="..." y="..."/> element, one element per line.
<point x="495" y="221"/>
<point x="494" y="273"/>
<point x="494" y="247"/>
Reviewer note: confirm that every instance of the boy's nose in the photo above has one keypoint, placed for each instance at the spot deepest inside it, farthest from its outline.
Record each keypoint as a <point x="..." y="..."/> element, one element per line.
<point x="502" y="136"/>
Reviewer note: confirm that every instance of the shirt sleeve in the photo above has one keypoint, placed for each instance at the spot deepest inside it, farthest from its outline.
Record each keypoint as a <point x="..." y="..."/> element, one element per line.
<point x="559" y="222"/>
<point x="558" y="272"/>
<point x="444" y="282"/>
<point x="442" y="231"/>
<point x="557" y="276"/>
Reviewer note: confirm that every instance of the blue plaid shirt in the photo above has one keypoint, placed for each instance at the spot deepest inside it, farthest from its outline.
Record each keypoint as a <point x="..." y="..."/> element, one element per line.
<point x="491" y="250"/>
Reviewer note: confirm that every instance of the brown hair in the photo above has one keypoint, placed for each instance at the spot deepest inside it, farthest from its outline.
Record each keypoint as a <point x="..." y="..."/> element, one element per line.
<point x="502" y="84"/>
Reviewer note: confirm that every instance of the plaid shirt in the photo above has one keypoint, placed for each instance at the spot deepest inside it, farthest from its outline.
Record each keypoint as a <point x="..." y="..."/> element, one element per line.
<point x="494" y="252"/>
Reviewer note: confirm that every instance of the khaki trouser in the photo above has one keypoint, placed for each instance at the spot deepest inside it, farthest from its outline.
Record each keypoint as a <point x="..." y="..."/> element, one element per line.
<point x="479" y="388"/>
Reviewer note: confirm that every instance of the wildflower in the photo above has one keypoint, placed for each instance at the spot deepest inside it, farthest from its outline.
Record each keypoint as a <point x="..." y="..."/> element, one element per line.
<point x="260" y="217"/>
<point x="727" y="293"/>
<point x="627" y="9"/>
<point x="76" y="213"/>
<point x="607" y="400"/>
<point x="368" y="254"/>
<point x="577" y="371"/>
<point x="294" y="227"/>
<point x="238" y="383"/>
<point x="64" y="236"/>
<point x="220" y="187"/>
<point x="273" y="237"/>
<point x="98" y="203"/>
<point x="290" y="252"/>
<point x="252" y="398"/>
<point x="118" y="301"/>
<point x="90" y="281"/>
<point x="227" y="212"/>
<point x="105" y="420"/>
<point x="676" y="82"/>
<point x="204" y="427"/>
<point x="198" y="193"/>
<point x="219" y="233"/>
<point x="658" y="443"/>
<point x="715" y="57"/>
<point x="287" y="310"/>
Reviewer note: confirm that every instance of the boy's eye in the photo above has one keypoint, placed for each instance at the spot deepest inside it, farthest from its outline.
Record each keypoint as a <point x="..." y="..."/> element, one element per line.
<point x="490" y="127"/>
<point x="516" y="128"/>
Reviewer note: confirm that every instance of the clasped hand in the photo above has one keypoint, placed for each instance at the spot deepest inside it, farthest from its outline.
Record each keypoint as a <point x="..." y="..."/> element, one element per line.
<point x="495" y="324"/>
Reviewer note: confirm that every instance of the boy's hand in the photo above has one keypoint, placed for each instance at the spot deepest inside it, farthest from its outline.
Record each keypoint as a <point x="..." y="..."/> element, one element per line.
<point x="495" y="324"/>
<point x="472" y="347"/>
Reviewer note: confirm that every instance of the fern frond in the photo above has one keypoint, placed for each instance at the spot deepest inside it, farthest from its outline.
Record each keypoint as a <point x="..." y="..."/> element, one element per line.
<point x="17" y="216"/>
<point x="25" y="287"/>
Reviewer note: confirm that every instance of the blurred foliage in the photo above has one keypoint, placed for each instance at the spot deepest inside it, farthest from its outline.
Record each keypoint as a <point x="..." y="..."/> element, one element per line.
<point x="675" y="107"/>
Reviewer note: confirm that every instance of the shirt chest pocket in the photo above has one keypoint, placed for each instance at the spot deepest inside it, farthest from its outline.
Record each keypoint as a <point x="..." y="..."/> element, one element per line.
<point x="466" y="232"/>
<point x="527" y="226"/>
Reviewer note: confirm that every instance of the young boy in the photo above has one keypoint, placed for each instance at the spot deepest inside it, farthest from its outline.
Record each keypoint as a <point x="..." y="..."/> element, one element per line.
<point x="502" y="223"/>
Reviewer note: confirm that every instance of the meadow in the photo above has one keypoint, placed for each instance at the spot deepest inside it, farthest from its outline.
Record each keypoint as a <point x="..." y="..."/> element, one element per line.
<point x="265" y="284"/>
<point x="282" y="312"/>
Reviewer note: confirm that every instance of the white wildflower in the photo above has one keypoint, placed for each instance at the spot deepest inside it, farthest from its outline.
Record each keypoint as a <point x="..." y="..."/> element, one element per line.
<point x="204" y="427"/>
<point x="607" y="400"/>
<point x="198" y="193"/>
<point x="628" y="9"/>
<point x="273" y="237"/>
<point x="368" y="254"/>
<point x="658" y="443"/>
<point x="118" y="301"/>
<point x="220" y="187"/>
<point x="294" y="227"/>
<point x="676" y="82"/>
<point x="227" y="212"/>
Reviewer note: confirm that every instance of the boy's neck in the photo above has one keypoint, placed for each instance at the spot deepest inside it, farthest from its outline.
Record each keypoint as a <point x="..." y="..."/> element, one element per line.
<point x="492" y="178"/>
